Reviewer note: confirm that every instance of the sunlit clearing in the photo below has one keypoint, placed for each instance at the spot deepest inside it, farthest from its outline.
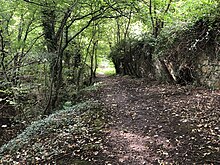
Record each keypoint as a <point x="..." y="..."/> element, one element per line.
<point x="137" y="29"/>
<point x="106" y="68"/>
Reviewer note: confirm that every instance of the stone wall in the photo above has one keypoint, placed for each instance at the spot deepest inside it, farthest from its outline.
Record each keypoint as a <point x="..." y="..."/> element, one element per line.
<point x="209" y="72"/>
<point x="193" y="57"/>
<point x="205" y="72"/>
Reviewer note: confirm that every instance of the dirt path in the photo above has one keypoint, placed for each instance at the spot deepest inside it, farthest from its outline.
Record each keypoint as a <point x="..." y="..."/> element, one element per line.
<point x="156" y="124"/>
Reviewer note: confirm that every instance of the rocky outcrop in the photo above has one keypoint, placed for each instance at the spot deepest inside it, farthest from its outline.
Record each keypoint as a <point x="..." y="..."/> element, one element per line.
<point x="193" y="57"/>
<point x="209" y="70"/>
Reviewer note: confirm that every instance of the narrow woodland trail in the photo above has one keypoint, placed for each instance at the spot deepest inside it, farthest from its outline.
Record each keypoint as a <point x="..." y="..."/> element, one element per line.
<point x="159" y="124"/>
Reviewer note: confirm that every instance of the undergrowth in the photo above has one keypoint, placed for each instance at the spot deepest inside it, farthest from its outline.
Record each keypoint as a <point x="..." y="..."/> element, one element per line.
<point x="74" y="130"/>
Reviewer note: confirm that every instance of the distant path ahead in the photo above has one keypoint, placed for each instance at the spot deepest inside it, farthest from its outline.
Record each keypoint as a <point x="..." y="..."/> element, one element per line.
<point x="153" y="124"/>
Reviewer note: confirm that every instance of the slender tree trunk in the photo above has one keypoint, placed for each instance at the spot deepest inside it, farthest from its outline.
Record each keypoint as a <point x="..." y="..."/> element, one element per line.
<point x="3" y="55"/>
<point x="92" y="62"/>
<point x="157" y="25"/>
<point x="96" y="62"/>
<point x="48" y="22"/>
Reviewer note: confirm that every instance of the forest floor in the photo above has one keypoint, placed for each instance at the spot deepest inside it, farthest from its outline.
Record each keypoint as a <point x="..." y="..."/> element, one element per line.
<point x="146" y="123"/>
<point x="152" y="123"/>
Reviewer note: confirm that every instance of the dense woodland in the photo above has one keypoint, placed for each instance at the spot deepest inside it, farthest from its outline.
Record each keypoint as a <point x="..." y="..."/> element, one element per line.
<point x="53" y="52"/>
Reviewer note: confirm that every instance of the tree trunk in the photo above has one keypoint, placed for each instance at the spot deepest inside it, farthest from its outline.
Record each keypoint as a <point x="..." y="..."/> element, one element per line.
<point x="48" y="22"/>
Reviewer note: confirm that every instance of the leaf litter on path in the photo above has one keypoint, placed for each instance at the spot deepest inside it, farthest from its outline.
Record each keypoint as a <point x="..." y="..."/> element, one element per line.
<point x="147" y="123"/>
<point x="160" y="124"/>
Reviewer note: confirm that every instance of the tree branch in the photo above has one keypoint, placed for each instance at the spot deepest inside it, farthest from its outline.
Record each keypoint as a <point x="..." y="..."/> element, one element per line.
<point x="3" y="57"/>
<point x="64" y="20"/>
<point x="168" y="6"/>
<point x="151" y="15"/>
<point x="73" y="37"/>
<point x="98" y="16"/>
<point x="35" y="3"/>
<point x="34" y="41"/>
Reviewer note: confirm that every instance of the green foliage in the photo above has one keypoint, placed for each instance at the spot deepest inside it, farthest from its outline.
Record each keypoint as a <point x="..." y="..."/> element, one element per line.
<point x="188" y="51"/>
<point x="90" y="31"/>
<point x="50" y="49"/>
<point x="130" y="57"/>
<point x="91" y="88"/>
<point x="81" y="123"/>
<point x="201" y="32"/>
<point x="106" y="71"/>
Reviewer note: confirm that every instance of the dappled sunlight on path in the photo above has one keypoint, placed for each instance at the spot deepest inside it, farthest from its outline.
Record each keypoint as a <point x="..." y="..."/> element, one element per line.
<point x="155" y="124"/>
<point x="134" y="148"/>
